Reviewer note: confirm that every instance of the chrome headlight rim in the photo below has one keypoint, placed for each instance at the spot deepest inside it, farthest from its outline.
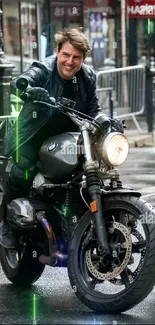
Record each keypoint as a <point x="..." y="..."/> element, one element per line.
<point x="104" y="146"/>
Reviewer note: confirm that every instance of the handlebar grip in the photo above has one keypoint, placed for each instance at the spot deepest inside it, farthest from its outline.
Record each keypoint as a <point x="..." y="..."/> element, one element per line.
<point x="22" y="83"/>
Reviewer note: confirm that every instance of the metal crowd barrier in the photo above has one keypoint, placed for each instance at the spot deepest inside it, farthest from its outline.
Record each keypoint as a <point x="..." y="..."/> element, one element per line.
<point x="128" y="91"/>
<point x="6" y="120"/>
<point x="153" y="94"/>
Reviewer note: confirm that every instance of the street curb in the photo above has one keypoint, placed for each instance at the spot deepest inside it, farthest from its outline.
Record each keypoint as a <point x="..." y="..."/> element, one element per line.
<point x="140" y="141"/>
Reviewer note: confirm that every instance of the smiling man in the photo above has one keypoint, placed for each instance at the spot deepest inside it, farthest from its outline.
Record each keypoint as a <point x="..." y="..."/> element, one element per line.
<point x="72" y="48"/>
<point x="69" y="61"/>
<point x="62" y="75"/>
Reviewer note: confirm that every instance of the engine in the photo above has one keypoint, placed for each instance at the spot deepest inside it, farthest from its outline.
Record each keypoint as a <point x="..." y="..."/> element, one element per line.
<point x="21" y="210"/>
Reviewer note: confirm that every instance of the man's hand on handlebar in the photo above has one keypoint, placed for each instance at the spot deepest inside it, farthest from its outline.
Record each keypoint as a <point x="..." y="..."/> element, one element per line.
<point x="35" y="94"/>
<point x="117" y="125"/>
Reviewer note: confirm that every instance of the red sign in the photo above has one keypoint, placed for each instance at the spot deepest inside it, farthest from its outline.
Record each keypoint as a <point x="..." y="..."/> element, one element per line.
<point x="141" y="8"/>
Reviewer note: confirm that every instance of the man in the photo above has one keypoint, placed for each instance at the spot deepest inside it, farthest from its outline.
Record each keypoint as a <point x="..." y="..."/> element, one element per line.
<point x="63" y="75"/>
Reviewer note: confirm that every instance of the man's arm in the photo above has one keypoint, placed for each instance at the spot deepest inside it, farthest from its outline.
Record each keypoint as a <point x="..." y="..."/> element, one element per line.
<point x="37" y="76"/>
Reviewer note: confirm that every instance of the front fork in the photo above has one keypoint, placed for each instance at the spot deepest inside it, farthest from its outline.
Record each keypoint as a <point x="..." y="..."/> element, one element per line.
<point x="94" y="190"/>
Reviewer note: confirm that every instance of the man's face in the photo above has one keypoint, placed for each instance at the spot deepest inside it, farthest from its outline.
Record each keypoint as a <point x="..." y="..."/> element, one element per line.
<point x="69" y="61"/>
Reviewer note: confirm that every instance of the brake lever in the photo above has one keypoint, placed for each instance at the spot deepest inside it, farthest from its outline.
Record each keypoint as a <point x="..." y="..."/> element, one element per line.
<point x="50" y="105"/>
<point x="44" y="103"/>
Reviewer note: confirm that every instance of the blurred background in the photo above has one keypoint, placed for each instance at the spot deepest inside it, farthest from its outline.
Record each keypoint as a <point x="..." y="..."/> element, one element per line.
<point x="122" y="37"/>
<point x="29" y="27"/>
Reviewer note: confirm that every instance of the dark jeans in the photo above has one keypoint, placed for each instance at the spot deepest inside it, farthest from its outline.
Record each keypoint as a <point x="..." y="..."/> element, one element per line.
<point x="24" y="170"/>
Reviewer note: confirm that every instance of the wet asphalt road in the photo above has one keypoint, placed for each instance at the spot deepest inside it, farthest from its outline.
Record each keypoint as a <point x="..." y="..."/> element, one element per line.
<point x="139" y="172"/>
<point x="56" y="304"/>
<point x="55" y="301"/>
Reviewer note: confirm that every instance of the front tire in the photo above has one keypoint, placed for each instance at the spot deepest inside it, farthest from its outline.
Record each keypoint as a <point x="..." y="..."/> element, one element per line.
<point x="143" y="281"/>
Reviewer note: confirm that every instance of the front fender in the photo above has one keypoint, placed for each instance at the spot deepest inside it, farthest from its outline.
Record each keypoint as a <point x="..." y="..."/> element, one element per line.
<point x="122" y="191"/>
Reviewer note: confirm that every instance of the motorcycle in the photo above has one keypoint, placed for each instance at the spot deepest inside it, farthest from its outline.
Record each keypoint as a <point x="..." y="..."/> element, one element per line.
<point x="80" y="216"/>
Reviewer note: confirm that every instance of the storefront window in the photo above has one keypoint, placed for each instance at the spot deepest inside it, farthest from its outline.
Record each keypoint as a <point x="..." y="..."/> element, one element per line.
<point x="142" y="14"/>
<point x="20" y="33"/>
<point x="45" y="32"/>
<point x="11" y="33"/>
<point x="64" y="14"/>
<point x="99" y="26"/>
<point x="28" y="34"/>
<point x="146" y="41"/>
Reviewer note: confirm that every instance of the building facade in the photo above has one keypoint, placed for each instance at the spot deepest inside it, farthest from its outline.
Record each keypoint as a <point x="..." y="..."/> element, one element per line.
<point x="29" y="28"/>
<point x="141" y="32"/>
<point x="20" y="26"/>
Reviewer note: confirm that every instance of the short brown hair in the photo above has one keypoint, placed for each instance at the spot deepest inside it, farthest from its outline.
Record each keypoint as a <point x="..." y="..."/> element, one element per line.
<point x="76" y="37"/>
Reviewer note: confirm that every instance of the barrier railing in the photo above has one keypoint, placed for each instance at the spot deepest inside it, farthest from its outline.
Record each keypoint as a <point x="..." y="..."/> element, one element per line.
<point x="6" y="120"/>
<point x="128" y="91"/>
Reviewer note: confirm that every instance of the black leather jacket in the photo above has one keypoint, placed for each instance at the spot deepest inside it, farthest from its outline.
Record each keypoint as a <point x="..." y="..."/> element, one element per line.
<point x="44" y="74"/>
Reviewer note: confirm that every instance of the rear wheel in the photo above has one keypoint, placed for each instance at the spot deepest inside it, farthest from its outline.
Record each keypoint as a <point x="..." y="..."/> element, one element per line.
<point x="21" y="267"/>
<point x="116" y="285"/>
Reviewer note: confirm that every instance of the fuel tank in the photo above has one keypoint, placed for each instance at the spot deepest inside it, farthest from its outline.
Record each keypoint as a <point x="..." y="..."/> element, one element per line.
<point x="58" y="156"/>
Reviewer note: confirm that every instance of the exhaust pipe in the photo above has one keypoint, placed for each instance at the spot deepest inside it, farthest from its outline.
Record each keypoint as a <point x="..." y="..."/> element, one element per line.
<point x="52" y="260"/>
<point x="55" y="254"/>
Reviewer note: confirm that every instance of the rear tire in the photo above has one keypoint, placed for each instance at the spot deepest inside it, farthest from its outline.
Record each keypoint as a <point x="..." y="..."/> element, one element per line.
<point x="143" y="283"/>
<point x="27" y="271"/>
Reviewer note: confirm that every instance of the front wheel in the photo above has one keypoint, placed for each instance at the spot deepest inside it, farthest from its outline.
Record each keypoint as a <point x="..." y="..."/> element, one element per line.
<point x="119" y="283"/>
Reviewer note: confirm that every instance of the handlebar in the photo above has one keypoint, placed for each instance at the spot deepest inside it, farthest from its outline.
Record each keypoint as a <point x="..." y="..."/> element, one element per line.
<point x="65" y="105"/>
<point x="22" y="83"/>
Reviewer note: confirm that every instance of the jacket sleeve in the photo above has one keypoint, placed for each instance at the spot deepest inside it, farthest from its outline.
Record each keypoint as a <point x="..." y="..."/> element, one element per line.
<point x="37" y="76"/>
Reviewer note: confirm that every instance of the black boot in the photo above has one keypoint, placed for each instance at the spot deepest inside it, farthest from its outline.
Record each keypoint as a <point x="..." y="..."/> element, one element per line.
<point x="7" y="236"/>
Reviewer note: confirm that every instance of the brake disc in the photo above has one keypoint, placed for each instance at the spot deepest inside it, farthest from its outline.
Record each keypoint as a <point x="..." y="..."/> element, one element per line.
<point x="133" y="275"/>
<point x="117" y="270"/>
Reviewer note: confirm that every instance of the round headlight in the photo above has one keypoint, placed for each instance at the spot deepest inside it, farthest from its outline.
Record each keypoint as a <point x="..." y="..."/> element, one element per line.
<point x="114" y="149"/>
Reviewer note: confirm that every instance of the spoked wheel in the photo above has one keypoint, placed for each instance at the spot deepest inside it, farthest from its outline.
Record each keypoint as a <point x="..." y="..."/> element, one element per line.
<point x="136" y="260"/>
<point x="114" y="284"/>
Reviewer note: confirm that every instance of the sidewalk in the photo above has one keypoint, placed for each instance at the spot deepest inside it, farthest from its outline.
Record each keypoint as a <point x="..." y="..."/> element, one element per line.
<point x="136" y="139"/>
